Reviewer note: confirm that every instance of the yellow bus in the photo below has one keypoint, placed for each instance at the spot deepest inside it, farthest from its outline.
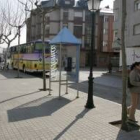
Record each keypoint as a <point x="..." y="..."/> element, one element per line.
<point x="30" y="56"/>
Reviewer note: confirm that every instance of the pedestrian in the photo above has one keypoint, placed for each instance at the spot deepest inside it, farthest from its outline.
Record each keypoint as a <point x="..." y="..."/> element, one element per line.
<point x="134" y="77"/>
<point x="110" y="67"/>
<point x="7" y="66"/>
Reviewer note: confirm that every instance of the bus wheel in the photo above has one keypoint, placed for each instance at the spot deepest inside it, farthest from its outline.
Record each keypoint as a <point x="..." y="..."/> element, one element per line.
<point x="24" y="69"/>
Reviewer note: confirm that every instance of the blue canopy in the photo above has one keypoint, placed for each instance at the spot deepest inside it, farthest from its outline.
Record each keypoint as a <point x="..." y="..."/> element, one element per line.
<point x="65" y="37"/>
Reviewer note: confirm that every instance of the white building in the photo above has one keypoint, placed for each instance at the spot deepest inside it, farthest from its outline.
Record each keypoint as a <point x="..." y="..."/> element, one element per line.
<point x="132" y="29"/>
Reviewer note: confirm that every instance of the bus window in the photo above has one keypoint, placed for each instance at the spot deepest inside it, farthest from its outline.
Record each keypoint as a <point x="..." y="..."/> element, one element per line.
<point x="47" y="49"/>
<point x="38" y="47"/>
<point x="27" y="50"/>
<point x="16" y="49"/>
<point x="21" y="48"/>
<point x="32" y="47"/>
<point x="24" y="49"/>
<point x="11" y="50"/>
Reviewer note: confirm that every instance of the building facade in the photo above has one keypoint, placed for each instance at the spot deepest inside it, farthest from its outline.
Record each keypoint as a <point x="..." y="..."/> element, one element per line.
<point x="132" y="30"/>
<point x="78" y="20"/>
<point x="105" y="52"/>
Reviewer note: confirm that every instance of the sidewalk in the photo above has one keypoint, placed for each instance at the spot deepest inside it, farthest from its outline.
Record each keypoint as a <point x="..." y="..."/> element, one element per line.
<point x="26" y="113"/>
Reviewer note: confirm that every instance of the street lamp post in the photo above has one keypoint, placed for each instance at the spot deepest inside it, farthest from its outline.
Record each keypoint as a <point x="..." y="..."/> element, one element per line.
<point x="93" y="6"/>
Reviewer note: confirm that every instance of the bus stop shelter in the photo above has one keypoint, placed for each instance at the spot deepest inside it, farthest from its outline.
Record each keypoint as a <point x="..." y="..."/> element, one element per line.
<point x="66" y="39"/>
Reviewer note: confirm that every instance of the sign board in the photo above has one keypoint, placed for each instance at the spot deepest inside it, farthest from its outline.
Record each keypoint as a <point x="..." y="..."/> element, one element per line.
<point x="54" y="62"/>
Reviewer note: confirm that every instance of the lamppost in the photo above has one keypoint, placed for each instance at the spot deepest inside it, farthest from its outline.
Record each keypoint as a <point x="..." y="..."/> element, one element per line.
<point x="93" y="6"/>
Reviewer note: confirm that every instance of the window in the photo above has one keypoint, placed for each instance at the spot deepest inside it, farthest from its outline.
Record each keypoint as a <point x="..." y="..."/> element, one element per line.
<point x="105" y="31"/>
<point x="78" y="17"/>
<point x="115" y="34"/>
<point x="116" y="14"/>
<point x="105" y="43"/>
<point x="78" y="14"/>
<point x="38" y="47"/>
<point x="47" y="31"/>
<point x="137" y="5"/>
<point x="102" y="59"/>
<point x="87" y="42"/>
<point x="78" y="31"/>
<point x="88" y="36"/>
<point x="78" y="20"/>
<point x="47" y="20"/>
<point x="105" y="19"/>
<point x="65" y="16"/>
<point x="136" y="29"/>
<point x="39" y="29"/>
<point x="67" y="2"/>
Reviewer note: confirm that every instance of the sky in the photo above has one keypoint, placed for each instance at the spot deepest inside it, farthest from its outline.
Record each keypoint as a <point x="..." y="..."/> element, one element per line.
<point x="23" y="31"/>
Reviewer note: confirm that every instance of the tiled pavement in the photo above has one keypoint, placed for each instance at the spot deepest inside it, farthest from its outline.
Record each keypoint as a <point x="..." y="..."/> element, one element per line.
<point x="29" y="114"/>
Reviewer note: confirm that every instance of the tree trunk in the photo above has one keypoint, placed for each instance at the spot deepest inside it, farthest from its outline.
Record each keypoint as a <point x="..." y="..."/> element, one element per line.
<point x="124" y="68"/>
<point x="18" y="75"/>
<point x="5" y="56"/>
<point x="43" y="52"/>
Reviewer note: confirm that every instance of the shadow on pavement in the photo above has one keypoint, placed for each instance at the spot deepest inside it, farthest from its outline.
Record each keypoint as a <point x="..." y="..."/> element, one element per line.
<point x="44" y="106"/>
<point x="121" y="135"/>
<point x="113" y="94"/>
<point x="79" y="116"/>
<point x="8" y="74"/>
<point x="104" y="86"/>
<point x="18" y="97"/>
<point x="100" y="91"/>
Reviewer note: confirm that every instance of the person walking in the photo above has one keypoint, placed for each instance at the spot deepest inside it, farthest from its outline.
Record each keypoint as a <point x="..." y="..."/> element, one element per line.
<point x="110" y="67"/>
<point x="134" y="78"/>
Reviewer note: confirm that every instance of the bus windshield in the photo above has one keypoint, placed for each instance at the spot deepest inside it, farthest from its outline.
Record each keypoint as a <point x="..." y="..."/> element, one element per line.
<point x="39" y="47"/>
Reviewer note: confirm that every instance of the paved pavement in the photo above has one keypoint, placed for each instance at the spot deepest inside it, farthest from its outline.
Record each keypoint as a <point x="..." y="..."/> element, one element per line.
<point x="26" y="113"/>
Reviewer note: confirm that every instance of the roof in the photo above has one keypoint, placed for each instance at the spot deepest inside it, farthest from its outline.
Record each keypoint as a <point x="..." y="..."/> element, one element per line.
<point x="65" y="37"/>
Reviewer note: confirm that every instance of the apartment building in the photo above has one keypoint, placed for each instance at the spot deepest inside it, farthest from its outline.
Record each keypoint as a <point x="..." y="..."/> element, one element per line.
<point x="77" y="19"/>
<point x="105" y="53"/>
<point x="66" y="16"/>
<point x="132" y="30"/>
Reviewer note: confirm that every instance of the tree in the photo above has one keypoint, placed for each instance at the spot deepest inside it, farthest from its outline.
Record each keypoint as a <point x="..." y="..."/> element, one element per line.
<point x="8" y="33"/>
<point x="124" y="68"/>
<point x="42" y="11"/>
<point x="1" y="29"/>
<point x="27" y="7"/>
<point x="15" y="16"/>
